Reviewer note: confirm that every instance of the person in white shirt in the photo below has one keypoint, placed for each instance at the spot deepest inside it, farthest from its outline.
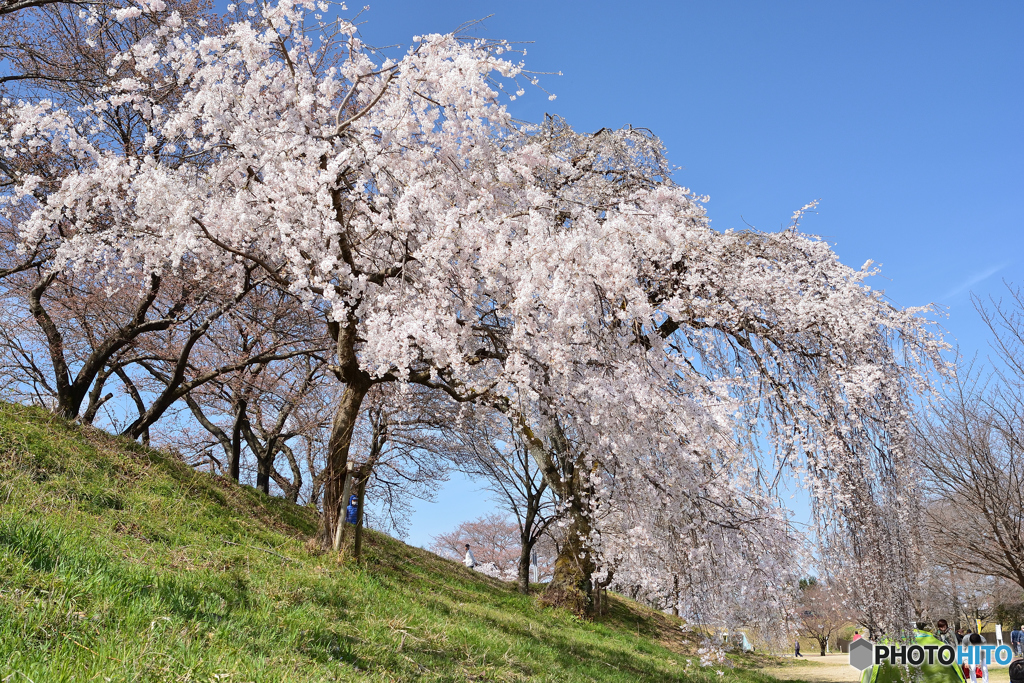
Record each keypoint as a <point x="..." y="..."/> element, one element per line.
<point x="977" y="639"/>
<point x="966" y="640"/>
<point x="470" y="561"/>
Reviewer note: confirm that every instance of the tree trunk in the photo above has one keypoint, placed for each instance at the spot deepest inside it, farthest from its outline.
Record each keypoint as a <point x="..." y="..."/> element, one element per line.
<point x="340" y="529"/>
<point x="527" y="540"/>
<point x="67" y="405"/>
<point x="263" y="466"/>
<point x="291" y="487"/>
<point x="140" y="405"/>
<point x="525" y="550"/>
<point x="571" y="585"/>
<point x="96" y="396"/>
<point x="337" y="457"/>
<point x="235" y="463"/>
<point x="675" y="595"/>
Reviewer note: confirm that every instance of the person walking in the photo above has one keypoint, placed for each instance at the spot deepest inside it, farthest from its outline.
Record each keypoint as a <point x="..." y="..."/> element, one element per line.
<point x="1017" y="641"/>
<point x="469" y="560"/>
<point x="796" y="652"/>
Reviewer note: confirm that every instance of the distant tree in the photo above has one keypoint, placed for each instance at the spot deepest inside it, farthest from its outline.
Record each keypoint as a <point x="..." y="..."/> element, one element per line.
<point x="1010" y="612"/>
<point x="972" y="444"/>
<point x="493" y="451"/>
<point x="821" y="612"/>
<point x="493" y="538"/>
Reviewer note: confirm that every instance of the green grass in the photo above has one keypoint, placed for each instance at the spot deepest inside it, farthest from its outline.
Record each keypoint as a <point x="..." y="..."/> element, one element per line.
<point x="120" y="563"/>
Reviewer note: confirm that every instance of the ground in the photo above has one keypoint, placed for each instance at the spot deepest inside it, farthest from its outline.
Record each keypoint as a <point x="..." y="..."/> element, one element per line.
<point x="121" y="563"/>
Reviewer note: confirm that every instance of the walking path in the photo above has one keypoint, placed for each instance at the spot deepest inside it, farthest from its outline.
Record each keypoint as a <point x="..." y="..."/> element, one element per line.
<point x="836" y="669"/>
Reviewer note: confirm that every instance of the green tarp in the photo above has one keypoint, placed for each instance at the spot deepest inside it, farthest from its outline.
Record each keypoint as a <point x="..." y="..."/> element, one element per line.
<point x="930" y="673"/>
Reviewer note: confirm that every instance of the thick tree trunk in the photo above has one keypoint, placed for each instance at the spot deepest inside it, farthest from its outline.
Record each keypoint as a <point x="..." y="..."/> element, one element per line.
<point x="526" y="549"/>
<point x="263" y="466"/>
<point x="337" y="457"/>
<point x="571" y="585"/>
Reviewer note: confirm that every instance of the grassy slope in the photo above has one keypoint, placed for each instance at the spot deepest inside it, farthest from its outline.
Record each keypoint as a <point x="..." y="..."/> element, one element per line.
<point x="121" y="563"/>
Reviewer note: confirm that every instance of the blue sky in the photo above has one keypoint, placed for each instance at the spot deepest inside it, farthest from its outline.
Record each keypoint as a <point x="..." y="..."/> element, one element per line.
<point x="904" y="119"/>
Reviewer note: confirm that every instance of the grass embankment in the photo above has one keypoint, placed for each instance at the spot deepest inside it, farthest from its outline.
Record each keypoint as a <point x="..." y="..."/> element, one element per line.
<point x="121" y="563"/>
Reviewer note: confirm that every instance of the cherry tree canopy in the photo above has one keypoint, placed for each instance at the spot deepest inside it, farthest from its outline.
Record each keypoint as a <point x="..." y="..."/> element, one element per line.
<point x="661" y="367"/>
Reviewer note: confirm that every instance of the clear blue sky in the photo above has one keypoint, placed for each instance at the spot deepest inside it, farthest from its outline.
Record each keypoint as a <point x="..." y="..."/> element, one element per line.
<point x="904" y="119"/>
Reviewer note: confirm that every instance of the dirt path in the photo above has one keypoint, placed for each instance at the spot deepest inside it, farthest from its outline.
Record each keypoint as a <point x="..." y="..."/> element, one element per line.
<point x="837" y="669"/>
<point x="816" y="669"/>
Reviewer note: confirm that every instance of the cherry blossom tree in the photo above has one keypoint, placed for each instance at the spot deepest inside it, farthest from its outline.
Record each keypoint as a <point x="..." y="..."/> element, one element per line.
<point x="69" y="335"/>
<point x="562" y="278"/>
<point x="822" y="613"/>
